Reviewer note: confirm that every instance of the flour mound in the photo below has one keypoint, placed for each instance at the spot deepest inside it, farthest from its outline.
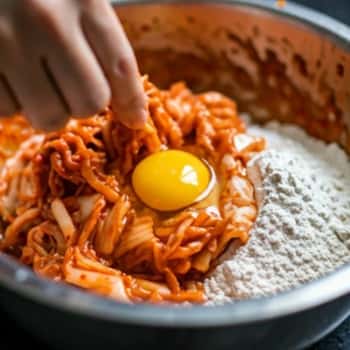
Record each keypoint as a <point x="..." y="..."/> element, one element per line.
<point x="302" y="231"/>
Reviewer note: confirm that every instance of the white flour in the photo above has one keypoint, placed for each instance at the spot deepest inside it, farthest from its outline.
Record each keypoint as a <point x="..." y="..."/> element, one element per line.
<point x="303" y="191"/>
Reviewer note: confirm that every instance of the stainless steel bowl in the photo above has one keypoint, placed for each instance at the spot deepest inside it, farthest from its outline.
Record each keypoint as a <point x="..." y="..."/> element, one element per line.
<point x="290" y="64"/>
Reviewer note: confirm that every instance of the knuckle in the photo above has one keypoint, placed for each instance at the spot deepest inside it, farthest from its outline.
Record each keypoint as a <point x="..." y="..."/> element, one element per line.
<point x="6" y="32"/>
<point x="44" y="12"/>
<point x="125" y="67"/>
<point x="8" y="39"/>
<point x="41" y="8"/>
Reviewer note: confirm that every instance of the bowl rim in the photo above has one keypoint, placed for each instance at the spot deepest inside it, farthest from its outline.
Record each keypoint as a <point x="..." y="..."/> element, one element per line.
<point x="22" y="281"/>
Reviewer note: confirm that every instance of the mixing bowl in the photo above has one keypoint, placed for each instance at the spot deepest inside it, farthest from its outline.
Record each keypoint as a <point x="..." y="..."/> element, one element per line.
<point x="290" y="64"/>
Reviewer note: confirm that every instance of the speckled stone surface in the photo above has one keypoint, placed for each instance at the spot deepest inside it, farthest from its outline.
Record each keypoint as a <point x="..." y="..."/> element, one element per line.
<point x="338" y="340"/>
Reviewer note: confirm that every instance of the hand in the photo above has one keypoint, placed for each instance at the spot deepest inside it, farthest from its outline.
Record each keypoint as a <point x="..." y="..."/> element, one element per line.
<point x="62" y="58"/>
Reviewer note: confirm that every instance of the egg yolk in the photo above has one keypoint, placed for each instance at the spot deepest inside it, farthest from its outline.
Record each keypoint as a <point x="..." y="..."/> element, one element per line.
<point x="170" y="180"/>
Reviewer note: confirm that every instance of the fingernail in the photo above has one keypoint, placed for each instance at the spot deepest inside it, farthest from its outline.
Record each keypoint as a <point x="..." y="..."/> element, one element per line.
<point x="142" y="119"/>
<point x="134" y="119"/>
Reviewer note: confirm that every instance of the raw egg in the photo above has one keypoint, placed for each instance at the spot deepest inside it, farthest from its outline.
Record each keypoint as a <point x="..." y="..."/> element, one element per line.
<point x="171" y="180"/>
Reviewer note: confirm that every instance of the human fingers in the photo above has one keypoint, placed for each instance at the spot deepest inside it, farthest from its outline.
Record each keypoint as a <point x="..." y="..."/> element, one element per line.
<point x="38" y="97"/>
<point x="8" y="102"/>
<point x="112" y="48"/>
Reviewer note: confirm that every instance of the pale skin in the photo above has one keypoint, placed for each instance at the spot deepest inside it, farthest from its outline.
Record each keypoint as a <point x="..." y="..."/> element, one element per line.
<point x="62" y="58"/>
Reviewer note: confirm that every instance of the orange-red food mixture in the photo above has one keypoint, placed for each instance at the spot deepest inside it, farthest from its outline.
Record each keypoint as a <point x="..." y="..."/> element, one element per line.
<point x="67" y="208"/>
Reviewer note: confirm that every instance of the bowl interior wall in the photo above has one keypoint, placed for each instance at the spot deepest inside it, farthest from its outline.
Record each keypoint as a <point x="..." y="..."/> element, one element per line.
<point x="274" y="66"/>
